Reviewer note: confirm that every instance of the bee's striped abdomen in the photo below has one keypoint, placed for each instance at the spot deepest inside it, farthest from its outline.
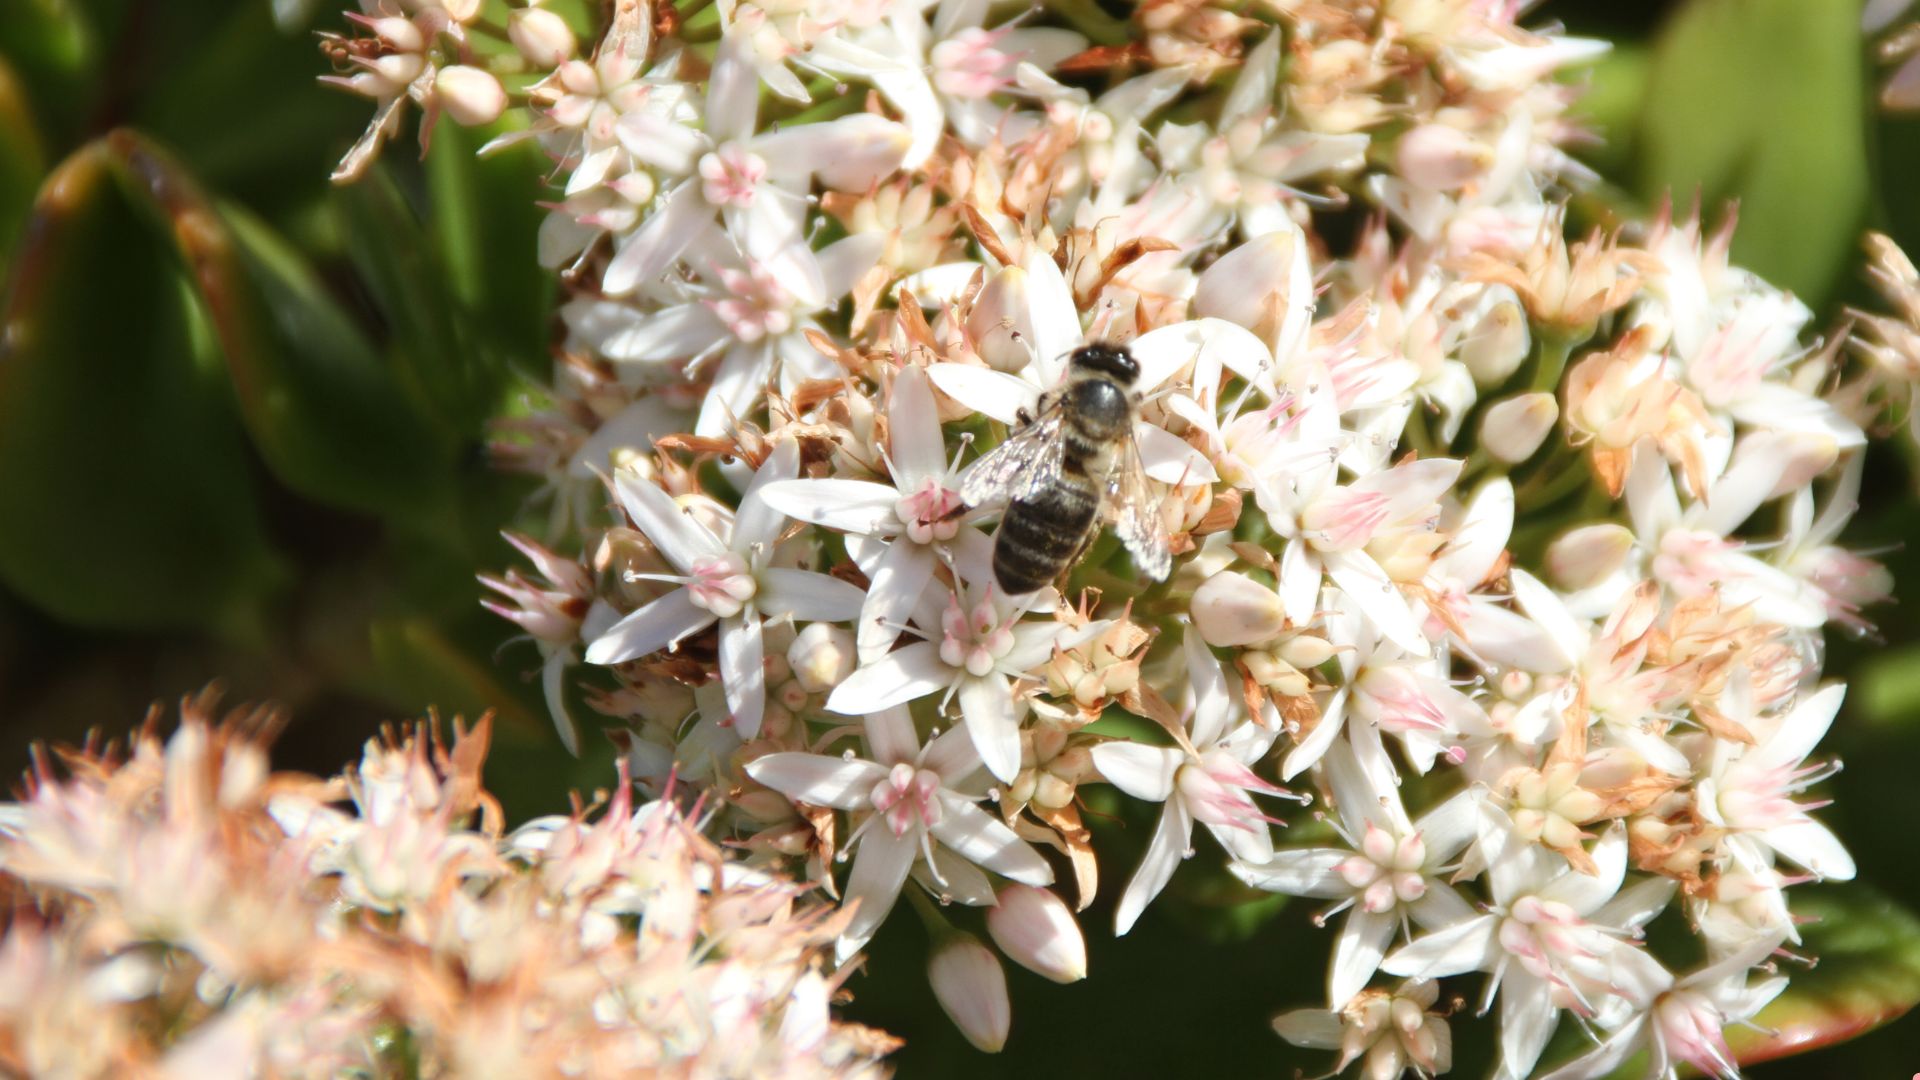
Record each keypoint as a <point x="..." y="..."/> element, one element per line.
<point x="1038" y="536"/>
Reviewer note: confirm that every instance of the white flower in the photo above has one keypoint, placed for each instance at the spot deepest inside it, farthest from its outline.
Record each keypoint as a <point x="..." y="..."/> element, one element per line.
<point x="1206" y="778"/>
<point x="731" y="581"/>
<point x="1748" y="790"/>
<point x="1392" y="868"/>
<point x="919" y="514"/>
<point x="1388" y="1032"/>
<point x="1550" y="939"/>
<point x="916" y="796"/>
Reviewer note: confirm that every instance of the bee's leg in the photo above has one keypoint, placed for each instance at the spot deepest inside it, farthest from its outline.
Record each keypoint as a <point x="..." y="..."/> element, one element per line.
<point x="1021" y="417"/>
<point x="1066" y="568"/>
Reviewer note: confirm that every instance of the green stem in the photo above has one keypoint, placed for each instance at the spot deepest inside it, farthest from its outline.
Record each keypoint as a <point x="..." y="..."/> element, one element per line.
<point x="930" y="917"/>
<point x="1087" y="17"/>
<point x="1552" y="361"/>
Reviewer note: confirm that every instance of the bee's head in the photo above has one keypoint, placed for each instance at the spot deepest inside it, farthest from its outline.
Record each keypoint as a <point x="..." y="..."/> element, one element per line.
<point x="1112" y="360"/>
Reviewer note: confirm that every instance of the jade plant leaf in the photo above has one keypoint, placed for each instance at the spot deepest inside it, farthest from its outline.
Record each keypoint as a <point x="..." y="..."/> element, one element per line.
<point x="1718" y="120"/>
<point x="122" y="466"/>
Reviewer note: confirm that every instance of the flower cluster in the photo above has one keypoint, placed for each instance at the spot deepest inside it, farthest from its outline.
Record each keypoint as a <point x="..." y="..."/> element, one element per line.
<point x="1514" y="546"/>
<point x="178" y="910"/>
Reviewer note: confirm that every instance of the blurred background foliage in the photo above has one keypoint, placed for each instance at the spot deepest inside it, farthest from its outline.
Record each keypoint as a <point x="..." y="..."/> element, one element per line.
<point x="243" y="422"/>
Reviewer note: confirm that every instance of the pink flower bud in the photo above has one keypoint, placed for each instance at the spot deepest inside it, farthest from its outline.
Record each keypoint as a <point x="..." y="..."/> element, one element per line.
<point x="1264" y="285"/>
<point x="822" y="656"/>
<point x="1513" y="429"/>
<point x="998" y="314"/>
<point x="1440" y="157"/>
<point x="1586" y="555"/>
<point x="542" y="37"/>
<point x="1231" y="608"/>
<point x="972" y="988"/>
<point x="469" y="95"/>
<point x="1497" y="344"/>
<point x="1035" y="929"/>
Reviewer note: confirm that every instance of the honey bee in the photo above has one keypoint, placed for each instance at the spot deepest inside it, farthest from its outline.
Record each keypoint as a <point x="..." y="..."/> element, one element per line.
<point x="1070" y="465"/>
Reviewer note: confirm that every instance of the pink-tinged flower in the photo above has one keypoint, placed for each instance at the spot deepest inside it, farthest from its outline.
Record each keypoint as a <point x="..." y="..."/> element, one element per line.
<point x="919" y="515"/>
<point x="915" y="797"/>
<point x="1845" y="582"/>
<point x="1329" y="525"/>
<point x="973" y="649"/>
<point x="1036" y="930"/>
<point x="971" y="987"/>
<point x="1749" y="790"/>
<point x="1458" y="605"/>
<point x="1739" y="369"/>
<point x="1206" y="778"/>
<point x="1553" y="938"/>
<point x="1685" y="1024"/>
<point x="731" y="581"/>
<point x="1391" y="869"/>
<point x="1387" y="1031"/>
<point x="551" y="612"/>
<point x="1386" y="691"/>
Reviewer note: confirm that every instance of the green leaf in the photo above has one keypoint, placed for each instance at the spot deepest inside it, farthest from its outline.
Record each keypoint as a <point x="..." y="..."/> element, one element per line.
<point x="122" y="469"/>
<point x="1761" y="101"/>
<point x="1867" y="974"/>
<point x="22" y="159"/>
<point x="325" y="412"/>
<point x="55" y="52"/>
<point x="420" y="667"/>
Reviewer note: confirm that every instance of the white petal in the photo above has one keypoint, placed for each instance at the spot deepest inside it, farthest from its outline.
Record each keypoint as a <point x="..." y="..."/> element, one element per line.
<point x="655" y="626"/>
<point x="1144" y="772"/>
<point x="733" y="90"/>
<point x="879" y="869"/>
<point x="894" y="679"/>
<point x="1362" y="797"/>
<point x="1356" y="955"/>
<point x="1812" y="845"/>
<point x="1053" y="316"/>
<point x="959" y="879"/>
<point x="743" y="672"/>
<point x="1636" y="905"/>
<point x="977" y="836"/>
<point x="679" y="537"/>
<point x="671" y="333"/>
<point x="913" y="430"/>
<point x="1316" y="1029"/>
<point x="756" y="522"/>
<point x="806" y="595"/>
<point x="737" y="386"/>
<point x="1164" y="852"/>
<point x="1298" y="872"/>
<point x="1802" y="729"/>
<point x="553" y="675"/>
<point x="987" y="703"/>
<point x="897" y="584"/>
<point x="890" y="735"/>
<point x="1603" y="1059"/>
<point x="1170" y="459"/>
<point x="651" y="250"/>
<point x="1527" y="1020"/>
<point x="844" y="261"/>
<point x="818" y="779"/>
<point x="1315" y="745"/>
<point x="1449" y="827"/>
<point x="1585" y="893"/>
<point x="858" y="506"/>
<point x="953" y="757"/>
<point x="1451" y="950"/>
<point x="1368" y="586"/>
<point x="985" y="391"/>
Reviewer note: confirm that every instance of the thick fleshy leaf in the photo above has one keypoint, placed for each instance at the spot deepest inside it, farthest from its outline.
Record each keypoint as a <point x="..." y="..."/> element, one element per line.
<point x="121" y="461"/>
<point x="1718" y="119"/>
<point x="1868" y="974"/>
<point x="22" y="158"/>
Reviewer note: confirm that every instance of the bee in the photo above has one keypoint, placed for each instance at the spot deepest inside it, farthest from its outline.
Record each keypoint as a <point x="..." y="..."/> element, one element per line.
<point x="1070" y="465"/>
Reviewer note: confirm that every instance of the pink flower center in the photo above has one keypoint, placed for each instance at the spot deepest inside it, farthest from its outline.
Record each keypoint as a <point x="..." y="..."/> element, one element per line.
<point x="760" y="307"/>
<point x="1691" y="562"/>
<point x="1386" y="872"/>
<point x="928" y="513"/>
<point x="721" y="584"/>
<point x="730" y="175"/>
<point x="908" y="797"/>
<point x="1215" y="789"/>
<point x="974" y="640"/>
<point x="1345" y="519"/>
<point x="1690" y="1029"/>
<point x="967" y="65"/>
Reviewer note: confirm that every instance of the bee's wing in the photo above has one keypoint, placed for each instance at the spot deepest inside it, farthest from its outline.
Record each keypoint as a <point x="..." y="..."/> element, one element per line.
<point x="1029" y="461"/>
<point x="1135" y="514"/>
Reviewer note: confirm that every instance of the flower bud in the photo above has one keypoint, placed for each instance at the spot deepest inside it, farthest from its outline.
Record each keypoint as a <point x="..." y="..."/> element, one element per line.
<point x="994" y="323"/>
<point x="469" y="95"/>
<point x="972" y="988"/>
<point x="822" y="656"/>
<point x="1585" y="556"/>
<point x="398" y="34"/>
<point x="1495" y="347"/>
<point x="1035" y="929"/>
<point x="542" y="37"/>
<point x="1440" y="157"/>
<point x="862" y="149"/>
<point x="1513" y="429"/>
<point x="1264" y="285"/>
<point x="1231" y="608"/>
